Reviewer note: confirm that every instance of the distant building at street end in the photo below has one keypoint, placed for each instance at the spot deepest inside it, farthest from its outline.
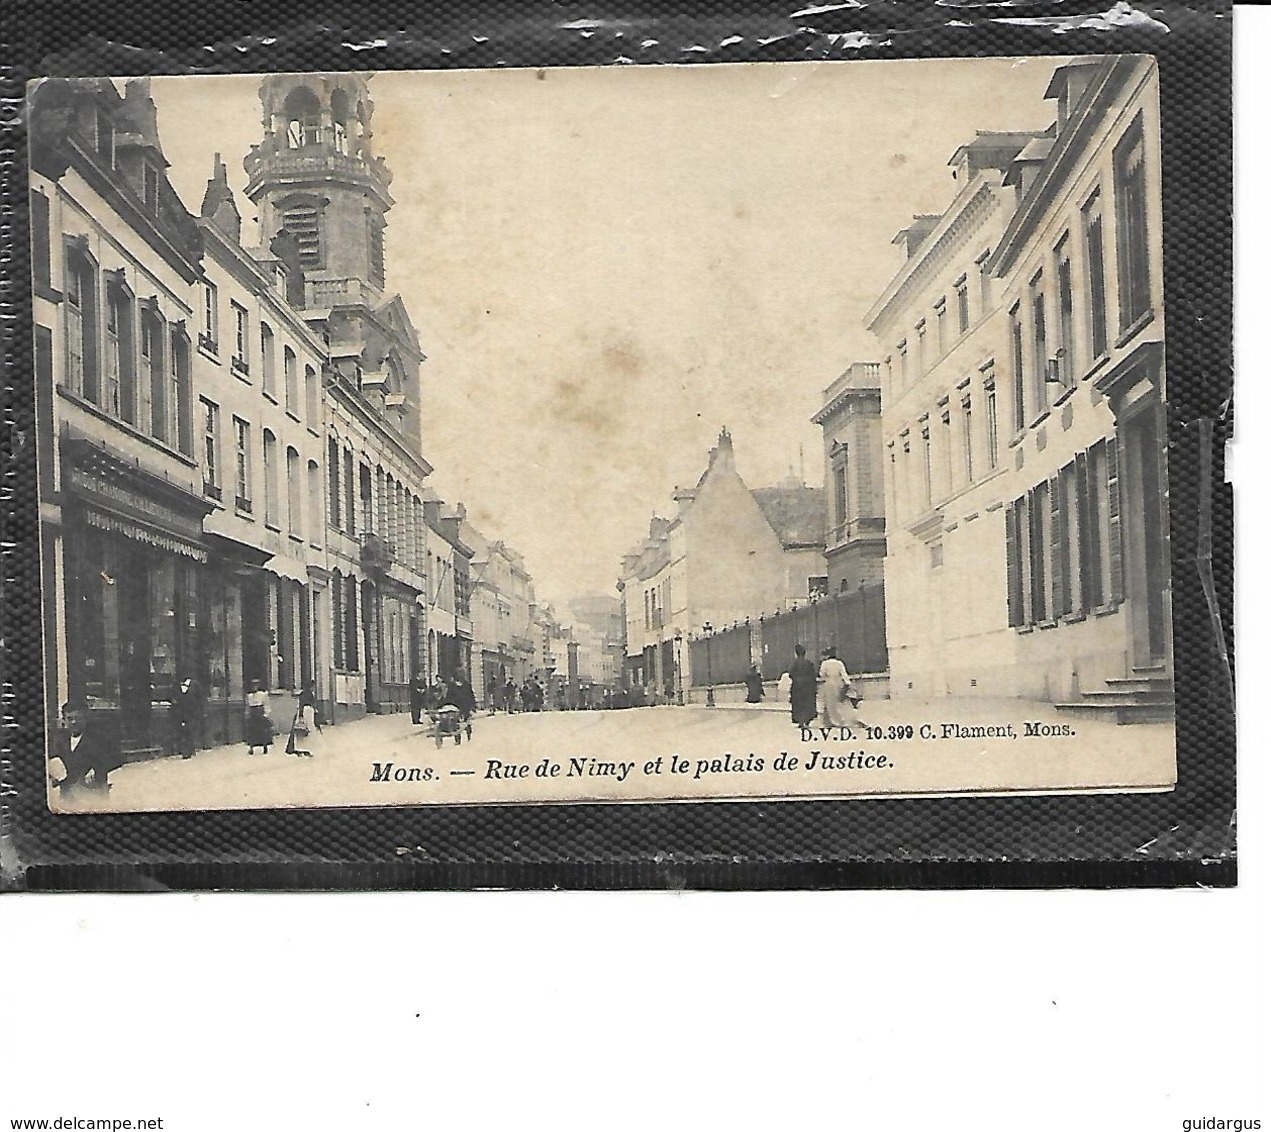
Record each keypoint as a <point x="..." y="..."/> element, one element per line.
<point x="1023" y="414"/>
<point x="855" y="524"/>
<point x="729" y="554"/>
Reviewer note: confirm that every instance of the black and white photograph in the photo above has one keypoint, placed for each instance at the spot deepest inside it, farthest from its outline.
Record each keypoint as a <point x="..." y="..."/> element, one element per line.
<point x="602" y="434"/>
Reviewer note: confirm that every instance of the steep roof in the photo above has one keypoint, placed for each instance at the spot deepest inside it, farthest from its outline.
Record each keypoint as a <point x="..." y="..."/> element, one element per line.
<point x="797" y="514"/>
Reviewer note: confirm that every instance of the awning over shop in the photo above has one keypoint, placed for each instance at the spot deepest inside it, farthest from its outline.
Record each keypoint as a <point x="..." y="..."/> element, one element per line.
<point x="139" y="533"/>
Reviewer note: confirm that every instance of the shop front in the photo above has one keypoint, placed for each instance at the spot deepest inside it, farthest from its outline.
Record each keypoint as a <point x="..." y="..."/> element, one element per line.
<point x="135" y="618"/>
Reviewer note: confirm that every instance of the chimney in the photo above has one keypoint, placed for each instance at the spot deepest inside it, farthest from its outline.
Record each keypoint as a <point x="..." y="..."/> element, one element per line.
<point x="218" y="202"/>
<point x="722" y="453"/>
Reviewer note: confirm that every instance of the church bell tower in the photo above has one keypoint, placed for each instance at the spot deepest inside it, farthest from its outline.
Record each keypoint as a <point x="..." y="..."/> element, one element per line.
<point x="322" y="196"/>
<point x="314" y="175"/>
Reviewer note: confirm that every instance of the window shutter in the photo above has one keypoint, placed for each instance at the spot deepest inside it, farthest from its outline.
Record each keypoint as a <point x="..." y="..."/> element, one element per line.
<point x="1115" y="552"/>
<point x="1014" y="614"/>
<point x="1058" y="558"/>
<point x="1083" y="592"/>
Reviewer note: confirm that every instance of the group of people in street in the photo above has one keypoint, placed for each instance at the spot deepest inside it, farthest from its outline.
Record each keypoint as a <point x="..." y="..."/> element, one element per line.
<point x="838" y="695"/>
<point x="427" y="696"/>
<point x="806" y="684"/>
<point x="303" y="733"/>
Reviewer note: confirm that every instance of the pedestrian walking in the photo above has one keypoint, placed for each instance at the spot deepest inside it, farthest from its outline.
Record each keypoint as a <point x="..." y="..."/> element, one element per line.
<point x="838" y="695"/>
<point x="802" y="688"/>
<point x="259" y="723"/>
<point x="187" y="717"/>
<point x="509" y="697"/>
<point x="459" y="694"/>
<point x="305" y="728"/>
<point x="754" y="686"/>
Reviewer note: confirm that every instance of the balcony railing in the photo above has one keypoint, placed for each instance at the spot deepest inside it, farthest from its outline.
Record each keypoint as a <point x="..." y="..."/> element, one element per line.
<point x="377" y="551"/>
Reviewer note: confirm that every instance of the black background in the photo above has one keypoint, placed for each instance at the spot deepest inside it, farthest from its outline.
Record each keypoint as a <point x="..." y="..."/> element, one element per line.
<point x="1183" y="837"/>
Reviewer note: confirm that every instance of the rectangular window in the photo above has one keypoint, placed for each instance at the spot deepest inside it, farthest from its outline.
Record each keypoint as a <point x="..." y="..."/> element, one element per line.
<point x="967" y="439"/>
<point x="940" y="326"/>
<point x="350" y="522"/>
<point x="333" y="474"/>
<point x="242" y="465"/>
<point x="1132" y="238"/>
<point x="946" y="451"/>
<point x="1067" y="347"/>
<point x="964" y="306"/>
<point x="1037" y="307"/>
<point x="986" y="281"/>
<point x="926" y="466"/>
<point x="1017" y="370"/>
<point x="152" y="343"/>
<point x="920" y="352"/>
<point x="990" y="418"/>
<point x="840" y="498"/>
<point x="211" y="415"/>
<point x="114" y="353"/>
<point x="239" y="361"/>
<point x="207" y="325"/>
<point x="1092" y="221"/>
<point x="902" y="350"/>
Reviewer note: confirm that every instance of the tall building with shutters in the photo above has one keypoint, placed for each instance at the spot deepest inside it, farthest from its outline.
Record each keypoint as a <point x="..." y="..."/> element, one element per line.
<point x="1028" y="555"/>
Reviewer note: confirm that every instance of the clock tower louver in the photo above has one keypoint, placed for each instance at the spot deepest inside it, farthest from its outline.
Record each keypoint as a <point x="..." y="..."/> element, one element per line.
<point x="322" y="196"/>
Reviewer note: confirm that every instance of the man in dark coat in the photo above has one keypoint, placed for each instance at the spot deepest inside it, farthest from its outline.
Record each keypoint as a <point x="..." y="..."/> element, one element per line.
<point x="83" y="753"/>
<point x="802" y="688"/>
<point x="187" y="717"/>
<point x="418" y="696"/>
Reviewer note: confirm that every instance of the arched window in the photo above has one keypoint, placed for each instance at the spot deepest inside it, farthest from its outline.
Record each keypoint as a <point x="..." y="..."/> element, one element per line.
<point x="271" y="478"/>
<point x="291" y="396"/>
<point x="267" y="359"/>
<point x="340" y="121"/>
<point x="295" y="512"/>
<point x="304" y="118"/>
<point x="315" y="503"/>
<point x="121" y="378"/>
<point x="153" y="384"/>
<point x="81" y="326"/>
<point x="312" y="409"/>
<point x="180" y="432"/>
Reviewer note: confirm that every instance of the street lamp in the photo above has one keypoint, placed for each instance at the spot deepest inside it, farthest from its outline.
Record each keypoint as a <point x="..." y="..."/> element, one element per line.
<point x="710" y="685"/>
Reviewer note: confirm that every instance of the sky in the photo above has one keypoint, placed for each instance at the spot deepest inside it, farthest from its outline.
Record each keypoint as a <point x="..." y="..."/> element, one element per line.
<point x="606" y="265"/>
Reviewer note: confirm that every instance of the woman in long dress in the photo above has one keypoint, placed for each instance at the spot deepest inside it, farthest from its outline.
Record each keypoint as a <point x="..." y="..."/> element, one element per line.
<point x="305" y="729"/>
<point x="837" y="693"/>
<point x="802" y="678"/>
<point x="260" y="727"/>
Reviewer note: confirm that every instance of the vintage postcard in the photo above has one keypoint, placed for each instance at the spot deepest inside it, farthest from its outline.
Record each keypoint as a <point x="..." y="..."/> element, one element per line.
<point x="772" y="431"/>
